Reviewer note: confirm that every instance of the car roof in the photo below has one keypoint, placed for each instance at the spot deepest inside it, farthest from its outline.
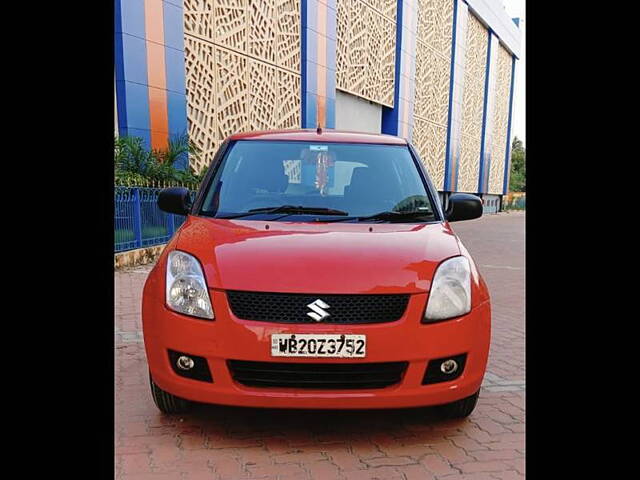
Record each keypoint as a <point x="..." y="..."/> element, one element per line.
<point x="323" y="135"/>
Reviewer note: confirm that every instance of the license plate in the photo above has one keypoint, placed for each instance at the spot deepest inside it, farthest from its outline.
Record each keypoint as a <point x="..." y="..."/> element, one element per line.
<point x="319" y="346"/>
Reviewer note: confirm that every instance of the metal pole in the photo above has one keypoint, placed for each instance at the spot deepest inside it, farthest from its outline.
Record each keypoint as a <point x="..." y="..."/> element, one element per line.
<point x="170" y="225"/>
<point x="137" y="218"/>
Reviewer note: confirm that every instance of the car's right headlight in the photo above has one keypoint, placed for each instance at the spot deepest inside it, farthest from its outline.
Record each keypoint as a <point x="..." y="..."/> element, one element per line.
<point x="450" y="294"/>
<point x="186" y="288"/>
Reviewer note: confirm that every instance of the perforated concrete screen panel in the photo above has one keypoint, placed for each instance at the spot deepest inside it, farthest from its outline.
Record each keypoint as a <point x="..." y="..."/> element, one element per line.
<point x="500" y="120"/>
<point x="433" y="67"/>
<point x="472" y="105"/>
<point x="242" y="68"/>
<point x="366" y="45"/>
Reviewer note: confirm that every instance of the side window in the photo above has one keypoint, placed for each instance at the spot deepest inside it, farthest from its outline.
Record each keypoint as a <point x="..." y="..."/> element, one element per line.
<point x="411" y="191"/>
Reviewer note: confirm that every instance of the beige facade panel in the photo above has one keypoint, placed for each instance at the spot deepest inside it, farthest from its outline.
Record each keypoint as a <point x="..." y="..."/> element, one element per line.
<point x="288" y="104"/>
<point x="432" y="85"/>
<point x="230" y="18"/>
<point x="435" y="24"/>
<point x="472" y="105"/>
<point x="242" y="69"/>
<point x="263" y="92"/>
<point x="288" y="53"/>
<point x="262" y="35"/>
<point x="433" y="75"/>
<point x="365" y="50"/>
<point x="200" y="87"/>
<point x="199" y="18"/>
<point x="431" y="140"/>
<point x="500" y="121"/>
<point x="385" y="7"/>
<point x="232" y="93"/>
<point x="351" y="47"/>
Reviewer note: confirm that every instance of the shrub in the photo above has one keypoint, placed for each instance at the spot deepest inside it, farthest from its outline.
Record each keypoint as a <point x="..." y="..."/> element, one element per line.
<point x="135" y="165"/>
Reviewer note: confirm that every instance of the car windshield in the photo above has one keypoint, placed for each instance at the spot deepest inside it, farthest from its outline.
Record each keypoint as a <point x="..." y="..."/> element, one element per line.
<point x="330" y="181"/>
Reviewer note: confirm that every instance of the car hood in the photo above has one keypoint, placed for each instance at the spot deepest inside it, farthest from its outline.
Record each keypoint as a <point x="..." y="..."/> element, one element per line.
<point x="317" y="257"/>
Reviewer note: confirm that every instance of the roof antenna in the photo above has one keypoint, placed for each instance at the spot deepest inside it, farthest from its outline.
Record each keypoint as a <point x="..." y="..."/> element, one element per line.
<point x="319" y="129"/>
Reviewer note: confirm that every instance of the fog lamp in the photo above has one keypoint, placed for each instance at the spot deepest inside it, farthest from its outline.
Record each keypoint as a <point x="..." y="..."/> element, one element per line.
<point x="449" y="366"/>
<point x="185" y="363"/>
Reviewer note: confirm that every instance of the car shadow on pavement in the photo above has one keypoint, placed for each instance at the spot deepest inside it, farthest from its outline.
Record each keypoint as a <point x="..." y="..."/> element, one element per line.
<point x="338" y="424"/>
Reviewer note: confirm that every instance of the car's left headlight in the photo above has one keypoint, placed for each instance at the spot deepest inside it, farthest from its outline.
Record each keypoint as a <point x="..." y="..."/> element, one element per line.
<point x="186" y="288"/>
<point x="450" y="294"/>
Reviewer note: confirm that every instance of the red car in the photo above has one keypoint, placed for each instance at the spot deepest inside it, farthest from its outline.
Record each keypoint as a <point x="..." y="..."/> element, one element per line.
<point x="316" y="269"/>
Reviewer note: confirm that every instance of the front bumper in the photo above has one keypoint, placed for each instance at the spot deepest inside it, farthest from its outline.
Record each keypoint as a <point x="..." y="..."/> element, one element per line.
<point x="228" y="337"/>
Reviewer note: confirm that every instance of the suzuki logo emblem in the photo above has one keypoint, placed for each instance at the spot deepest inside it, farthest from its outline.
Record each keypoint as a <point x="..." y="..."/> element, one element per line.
<point x="318" y="313"/>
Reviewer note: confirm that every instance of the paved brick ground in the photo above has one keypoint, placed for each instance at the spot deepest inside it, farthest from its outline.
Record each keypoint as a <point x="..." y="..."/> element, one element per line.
<point x="219" y="443"/>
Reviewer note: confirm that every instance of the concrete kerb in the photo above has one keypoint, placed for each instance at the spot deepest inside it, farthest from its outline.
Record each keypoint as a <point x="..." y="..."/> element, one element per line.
<point x="140" y="256"/>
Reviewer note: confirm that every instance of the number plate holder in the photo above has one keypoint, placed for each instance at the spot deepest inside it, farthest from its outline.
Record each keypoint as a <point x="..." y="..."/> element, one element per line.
<point x="318" y="345"/>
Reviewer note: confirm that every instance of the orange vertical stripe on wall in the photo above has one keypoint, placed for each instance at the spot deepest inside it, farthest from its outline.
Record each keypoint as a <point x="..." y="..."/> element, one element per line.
<point x="321" y="111"/>
<point x="321" y="69"/>
<point x="156" y="73"/>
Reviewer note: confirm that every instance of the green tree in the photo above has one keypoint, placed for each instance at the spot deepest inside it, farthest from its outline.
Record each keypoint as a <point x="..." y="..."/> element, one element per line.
<point x="518" y="178"/>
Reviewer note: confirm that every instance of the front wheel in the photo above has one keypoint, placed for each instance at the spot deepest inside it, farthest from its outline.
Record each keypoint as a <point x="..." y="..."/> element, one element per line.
<point x="167" y="402"/>
<point x="461" y="408"/>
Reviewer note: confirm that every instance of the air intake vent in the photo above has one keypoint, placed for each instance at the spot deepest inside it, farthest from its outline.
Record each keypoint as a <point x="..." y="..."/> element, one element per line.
<point x="330" y="376"/>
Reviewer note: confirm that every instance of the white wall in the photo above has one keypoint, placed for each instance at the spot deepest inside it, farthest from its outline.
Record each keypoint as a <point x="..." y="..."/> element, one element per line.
<point x="357" y="114"/>
<point x="493" y="14"/>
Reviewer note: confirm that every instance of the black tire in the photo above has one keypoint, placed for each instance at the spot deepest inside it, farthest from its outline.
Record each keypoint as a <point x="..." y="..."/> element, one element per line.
<point x="166" y="402"/>
<point x="460" y="408"/>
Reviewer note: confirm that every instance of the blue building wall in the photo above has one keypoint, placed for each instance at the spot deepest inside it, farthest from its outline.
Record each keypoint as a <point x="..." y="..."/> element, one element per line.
<point x="154" y="110"/>
<point x="399" y="119"/>
<point x="150" y="75"/>
<point x="131" y="70"/>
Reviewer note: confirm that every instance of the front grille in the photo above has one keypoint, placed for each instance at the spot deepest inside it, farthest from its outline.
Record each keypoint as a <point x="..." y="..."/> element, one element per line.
<point x="331" y="376"/>
<point x="292" y="307"/>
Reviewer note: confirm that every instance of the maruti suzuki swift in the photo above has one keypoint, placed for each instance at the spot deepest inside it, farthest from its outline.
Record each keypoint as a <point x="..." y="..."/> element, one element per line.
<point x="316" y="269"/>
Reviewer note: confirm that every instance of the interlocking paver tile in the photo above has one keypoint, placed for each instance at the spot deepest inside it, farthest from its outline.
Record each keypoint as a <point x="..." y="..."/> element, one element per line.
<point x="227" y="443"/>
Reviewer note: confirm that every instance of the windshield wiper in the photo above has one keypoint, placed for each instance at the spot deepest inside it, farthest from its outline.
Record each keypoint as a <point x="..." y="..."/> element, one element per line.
<point x="289" y="209"/>
<point x="386" y="215"/>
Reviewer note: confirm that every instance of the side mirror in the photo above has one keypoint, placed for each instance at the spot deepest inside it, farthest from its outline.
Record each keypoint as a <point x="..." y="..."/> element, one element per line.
<point x="174" y="200"/>
<point x="463" y="206"/>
